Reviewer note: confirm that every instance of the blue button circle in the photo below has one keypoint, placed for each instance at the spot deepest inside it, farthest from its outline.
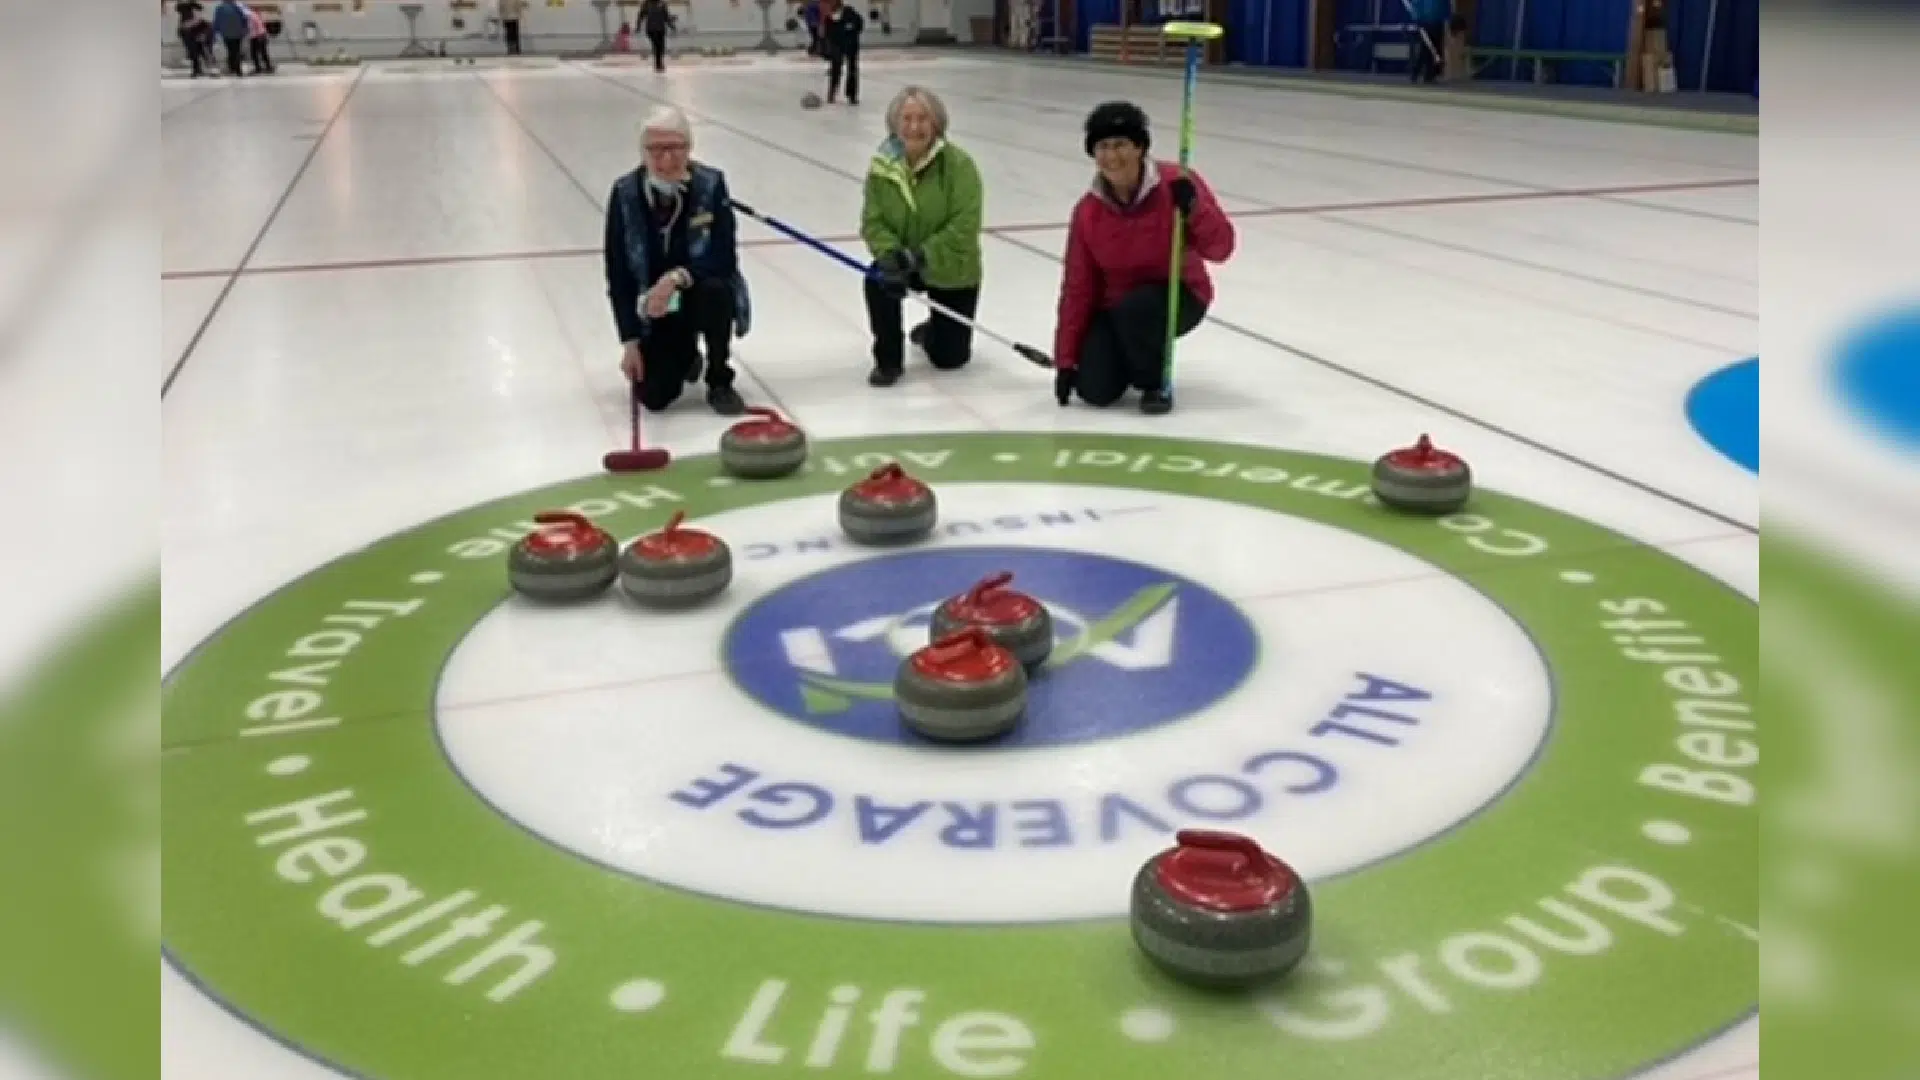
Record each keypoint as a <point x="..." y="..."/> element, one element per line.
<point x="1724" y="409"/>
<point x="1878" y="372"/>
<point x="1136" y="646"/>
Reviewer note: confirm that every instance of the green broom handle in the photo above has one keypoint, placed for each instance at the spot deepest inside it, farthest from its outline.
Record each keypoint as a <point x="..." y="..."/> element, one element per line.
<point x="1194" y="33"/>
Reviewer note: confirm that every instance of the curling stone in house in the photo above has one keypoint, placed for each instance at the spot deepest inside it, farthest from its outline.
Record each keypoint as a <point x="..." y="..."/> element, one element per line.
<point x="888" y="507"/>
<point x="676" y="567"/>
<point x="766" y="447"/>
<point x="1017" y="622"/>
<point x="964" y="687"/>
<point x="567" y="557"/>
<point x="1216" y="910"/>
<point x="1423" y="478"/>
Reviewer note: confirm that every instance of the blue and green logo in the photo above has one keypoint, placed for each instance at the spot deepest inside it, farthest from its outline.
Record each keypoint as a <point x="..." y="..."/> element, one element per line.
<point x="1135" y="646"/>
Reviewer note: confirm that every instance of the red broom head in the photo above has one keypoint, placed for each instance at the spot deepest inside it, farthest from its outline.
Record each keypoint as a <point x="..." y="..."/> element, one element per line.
<point x="625" y="461"/>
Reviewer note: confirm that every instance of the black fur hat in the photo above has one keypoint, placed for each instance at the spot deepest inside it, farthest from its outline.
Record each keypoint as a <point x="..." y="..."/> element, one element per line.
<point x="1118" y="119"/>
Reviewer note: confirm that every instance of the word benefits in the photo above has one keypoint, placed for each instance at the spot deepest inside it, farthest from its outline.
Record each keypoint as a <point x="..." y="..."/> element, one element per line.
<point x="1712" y="716"/>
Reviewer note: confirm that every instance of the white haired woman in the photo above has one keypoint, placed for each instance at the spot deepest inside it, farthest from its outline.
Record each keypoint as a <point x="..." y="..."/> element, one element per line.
<point x="921" y="221"/>
<point x="673" y="269"/>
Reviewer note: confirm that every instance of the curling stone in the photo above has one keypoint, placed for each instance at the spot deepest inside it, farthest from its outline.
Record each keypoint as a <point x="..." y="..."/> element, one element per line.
<point x="810" y="100"/>
<point x="1217" y="911"/>
<point x="1424" y="478"/>
<point x="1017" y="622"/>
<point x="567" y="557"/>
<point x="962" y="688"/>
<point x="764" y="448"/>
<point x="676" y="567"/>
<point x="888" y="507"/>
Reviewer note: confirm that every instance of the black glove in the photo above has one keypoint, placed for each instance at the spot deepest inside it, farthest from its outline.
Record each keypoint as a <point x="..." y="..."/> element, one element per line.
<point x="897" y="271"/>
<point x="900" y="262"/>
<point x="1064" y="381"/>
<point x="1182" y="191"/>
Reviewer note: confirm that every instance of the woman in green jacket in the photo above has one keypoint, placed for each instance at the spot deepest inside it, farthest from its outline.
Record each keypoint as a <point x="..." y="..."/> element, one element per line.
<point x="921" y="222"/>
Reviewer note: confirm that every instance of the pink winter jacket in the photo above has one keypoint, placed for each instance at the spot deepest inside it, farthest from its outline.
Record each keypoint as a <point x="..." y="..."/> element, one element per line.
<point x="1114" y="249"/>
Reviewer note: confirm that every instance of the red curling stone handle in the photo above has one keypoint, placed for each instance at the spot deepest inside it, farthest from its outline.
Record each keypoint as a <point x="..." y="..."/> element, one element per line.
<point x="1225" y="842"/>
<point x="972" y="639"/>
<point x="564" y="517"/>
<point x="978" y="594"/>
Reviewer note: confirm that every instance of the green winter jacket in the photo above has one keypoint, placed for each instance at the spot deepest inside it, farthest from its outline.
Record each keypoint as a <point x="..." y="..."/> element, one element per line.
<point x="936" y="211"/>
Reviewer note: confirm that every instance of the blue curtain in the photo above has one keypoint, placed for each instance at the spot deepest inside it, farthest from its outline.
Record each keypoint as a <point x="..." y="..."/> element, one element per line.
<point x="1270" y="33"/>
<point x="1088" y="14"/>
<point x="1596" y="26"/>
<point x="1734" y="50"/>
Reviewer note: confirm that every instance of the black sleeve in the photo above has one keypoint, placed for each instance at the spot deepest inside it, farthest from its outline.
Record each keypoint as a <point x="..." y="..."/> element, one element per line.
<point x="623" y="291"/>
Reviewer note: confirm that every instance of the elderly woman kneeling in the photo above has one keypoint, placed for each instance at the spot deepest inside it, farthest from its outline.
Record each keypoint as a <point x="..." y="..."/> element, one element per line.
<point x="1111" y="334"/>
<point x="673" y="269"/>
<point x="921" y="222"/>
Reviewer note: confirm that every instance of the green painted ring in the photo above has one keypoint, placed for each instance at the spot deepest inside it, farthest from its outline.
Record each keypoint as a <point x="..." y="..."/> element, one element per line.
<point x="1477" y="955"/>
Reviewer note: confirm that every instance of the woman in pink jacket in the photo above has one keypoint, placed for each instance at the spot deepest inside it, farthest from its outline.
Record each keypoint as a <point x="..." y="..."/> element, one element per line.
<point x="258" y="44"/>
<point x="1112" y="328"/>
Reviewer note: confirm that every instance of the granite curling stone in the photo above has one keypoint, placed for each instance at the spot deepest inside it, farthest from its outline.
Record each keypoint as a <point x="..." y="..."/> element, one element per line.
<point x="1217" y="911"/>
<point x="766" y="447"/>
<point x="676" y="567"/>
<point x="962" y="688"/>
<point x="1017" y="622"/>
<point x="1422" y="478"/>
<point x="567" y="557"/>
<point x="888" y="507"/>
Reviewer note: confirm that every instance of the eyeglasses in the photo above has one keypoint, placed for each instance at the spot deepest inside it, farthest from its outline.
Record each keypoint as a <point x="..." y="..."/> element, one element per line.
<point x="664" y="149"/>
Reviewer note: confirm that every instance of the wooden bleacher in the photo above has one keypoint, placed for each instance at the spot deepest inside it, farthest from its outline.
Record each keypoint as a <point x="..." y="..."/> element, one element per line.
<point x="1134" y="45"/>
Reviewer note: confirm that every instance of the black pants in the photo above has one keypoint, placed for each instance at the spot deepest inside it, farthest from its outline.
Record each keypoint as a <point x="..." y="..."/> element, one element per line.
<point x="262" y="59"/>
<point x="671" y="349"/>
<point x="948" y="344"/>
<point x="234" y="45"/>
<point x="1425" y="66"/>
<point x="847" y="62"/>
<point x="191" y="43"/>
<point x="658" y="39"/>
<point x="1125" y="347"/>
<point x="510" y="30"/>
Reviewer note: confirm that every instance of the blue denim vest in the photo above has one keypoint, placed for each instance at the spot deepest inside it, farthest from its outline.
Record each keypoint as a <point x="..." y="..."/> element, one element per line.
<point x="705" y="192"/>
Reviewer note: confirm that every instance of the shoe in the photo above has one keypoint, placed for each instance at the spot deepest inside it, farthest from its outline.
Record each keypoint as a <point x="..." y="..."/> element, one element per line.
<point x="882" y="376"/>
<point x="918" y="336"/>
<point x="725" y="400"/>
<point x="1156" y="402"/>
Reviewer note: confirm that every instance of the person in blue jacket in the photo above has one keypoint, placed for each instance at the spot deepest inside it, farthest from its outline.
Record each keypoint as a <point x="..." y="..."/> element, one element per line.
<point x="230" y="23"/>
<point x="673" y="270"/>
<point x="1429" y="38"/>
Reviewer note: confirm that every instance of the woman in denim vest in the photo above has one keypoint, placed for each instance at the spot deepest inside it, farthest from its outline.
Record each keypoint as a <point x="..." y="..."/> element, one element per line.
<point x="673" y="269"/>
